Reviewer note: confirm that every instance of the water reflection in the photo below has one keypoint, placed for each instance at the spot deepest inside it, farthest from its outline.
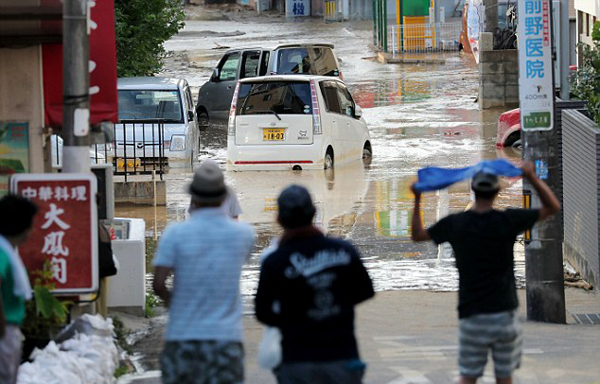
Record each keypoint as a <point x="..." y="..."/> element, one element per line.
<point x="418" y="115"/>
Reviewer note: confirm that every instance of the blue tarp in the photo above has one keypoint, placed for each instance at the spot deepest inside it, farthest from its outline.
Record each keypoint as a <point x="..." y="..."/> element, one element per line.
<point x="434" y="178"/>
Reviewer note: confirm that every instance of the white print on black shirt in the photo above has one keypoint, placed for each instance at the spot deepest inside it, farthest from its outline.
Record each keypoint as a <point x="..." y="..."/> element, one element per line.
<point x="322" y="281"/>
<point x="324" y="306"/>
<point x="302" y="265"/>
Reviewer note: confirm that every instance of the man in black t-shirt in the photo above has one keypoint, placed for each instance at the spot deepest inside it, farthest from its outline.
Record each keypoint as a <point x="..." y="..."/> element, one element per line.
<point x="483" y="239"/>
<point x="308" y="288"/>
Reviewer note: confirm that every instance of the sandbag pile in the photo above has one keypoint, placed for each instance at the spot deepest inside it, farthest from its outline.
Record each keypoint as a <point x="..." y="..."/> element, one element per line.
<point x="88" y="356"/>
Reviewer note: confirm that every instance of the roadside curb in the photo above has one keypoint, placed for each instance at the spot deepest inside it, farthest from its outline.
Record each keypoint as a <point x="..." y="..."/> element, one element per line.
<point x="386" y="58"/>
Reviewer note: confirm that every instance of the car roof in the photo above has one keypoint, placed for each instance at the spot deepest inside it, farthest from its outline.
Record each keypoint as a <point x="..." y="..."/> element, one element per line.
<point x="279" y="46"/>
<point x="170" y="83"/>
<point x="297" y="78"/>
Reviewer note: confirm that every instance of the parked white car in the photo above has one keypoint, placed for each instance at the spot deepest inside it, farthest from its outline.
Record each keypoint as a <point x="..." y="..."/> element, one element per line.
<point x="294" y="122"/>
<point x="150" y="98"/>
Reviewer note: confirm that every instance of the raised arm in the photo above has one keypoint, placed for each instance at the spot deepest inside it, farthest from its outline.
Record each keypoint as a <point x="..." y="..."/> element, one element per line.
<point x="418" y="233"/>
<point x="550" y="204"/>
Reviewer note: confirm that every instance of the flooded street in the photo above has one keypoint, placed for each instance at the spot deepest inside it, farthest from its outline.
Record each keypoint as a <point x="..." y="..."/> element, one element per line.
<point x="418" y="115"/>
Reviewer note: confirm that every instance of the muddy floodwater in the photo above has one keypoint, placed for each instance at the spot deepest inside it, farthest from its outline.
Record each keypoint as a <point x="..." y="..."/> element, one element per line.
<point x="418" y="115"/>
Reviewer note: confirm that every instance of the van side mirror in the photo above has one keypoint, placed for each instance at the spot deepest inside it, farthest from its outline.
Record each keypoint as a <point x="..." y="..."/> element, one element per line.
<point x="357" y="111"/>
<point x="191" y="115"/>
<point x="215" y="75"/>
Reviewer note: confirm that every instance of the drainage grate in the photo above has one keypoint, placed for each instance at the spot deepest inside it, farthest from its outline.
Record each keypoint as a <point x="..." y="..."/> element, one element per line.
<point x="590" y="318"/>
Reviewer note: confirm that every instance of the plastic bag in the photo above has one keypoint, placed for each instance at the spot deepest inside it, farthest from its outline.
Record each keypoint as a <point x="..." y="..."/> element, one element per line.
<point x="269" y="349"/>
<point x="89" y="325"/>
<point x="86" y="358"/>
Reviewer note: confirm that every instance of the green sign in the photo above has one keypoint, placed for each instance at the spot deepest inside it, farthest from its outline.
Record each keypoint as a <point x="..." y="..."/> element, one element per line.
<point x="538" y="120"/>
<point x="14" y="151"/>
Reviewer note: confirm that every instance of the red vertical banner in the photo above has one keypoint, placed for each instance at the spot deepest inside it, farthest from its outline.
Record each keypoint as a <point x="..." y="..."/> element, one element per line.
<point x="103" y="69"/>
<point x="65" y="230"/>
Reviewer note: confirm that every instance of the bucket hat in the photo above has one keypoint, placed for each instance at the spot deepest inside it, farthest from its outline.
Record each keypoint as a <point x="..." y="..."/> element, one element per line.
<point x="208" y="185"/>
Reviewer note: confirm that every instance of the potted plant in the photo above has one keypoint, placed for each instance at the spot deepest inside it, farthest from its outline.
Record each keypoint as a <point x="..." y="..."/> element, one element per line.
<point x="45" y="315"/>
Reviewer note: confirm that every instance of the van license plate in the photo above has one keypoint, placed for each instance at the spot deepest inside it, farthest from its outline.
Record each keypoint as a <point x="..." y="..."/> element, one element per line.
<point x="273" y="134"/>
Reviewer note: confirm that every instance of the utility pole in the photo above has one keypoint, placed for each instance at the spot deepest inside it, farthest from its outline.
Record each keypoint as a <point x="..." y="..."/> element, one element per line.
<point x="491" y="15"/>
<point x="565" y="50"/>
<point x="543" y="253"/>
<point x="76" y="85"/>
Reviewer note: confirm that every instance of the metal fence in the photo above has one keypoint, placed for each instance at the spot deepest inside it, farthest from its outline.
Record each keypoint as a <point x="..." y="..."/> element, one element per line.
<point x="421" y="38"/>
<point x="138" y="148"/>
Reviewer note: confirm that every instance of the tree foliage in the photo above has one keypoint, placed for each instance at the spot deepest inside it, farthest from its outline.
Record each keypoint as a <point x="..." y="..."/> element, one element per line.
<point x="142" y="26"/>
<point x="585" y="83"/>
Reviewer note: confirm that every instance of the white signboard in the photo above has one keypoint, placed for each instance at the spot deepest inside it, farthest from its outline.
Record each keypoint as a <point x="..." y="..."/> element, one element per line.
<point x="295" y="8"/>
<point x="536" y="91"/>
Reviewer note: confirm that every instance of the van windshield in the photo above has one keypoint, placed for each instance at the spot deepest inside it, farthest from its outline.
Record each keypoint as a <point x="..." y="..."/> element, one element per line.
<point x="282" y="98"/>
<point x="149" y="104"/>
<point x="309" y="60"/>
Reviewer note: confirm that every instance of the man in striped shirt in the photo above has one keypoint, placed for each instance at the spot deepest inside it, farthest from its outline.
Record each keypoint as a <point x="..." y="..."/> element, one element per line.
<point x="206" y="254"/>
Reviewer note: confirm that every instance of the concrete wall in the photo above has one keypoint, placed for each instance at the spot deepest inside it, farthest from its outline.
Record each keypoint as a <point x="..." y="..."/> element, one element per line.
<point x="581" y="201"/>
<point x="498" y="77"/>
<point x="21" y="96"/>
<point x="140" y="192"/>
<point x="361" y="9"/>
<point x="127" y="289"/>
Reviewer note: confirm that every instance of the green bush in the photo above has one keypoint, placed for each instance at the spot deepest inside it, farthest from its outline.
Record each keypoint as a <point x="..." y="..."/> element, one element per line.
<point x="45" y="315"/>
<point x="585" y="83"/>
<point x="142" y="26"/>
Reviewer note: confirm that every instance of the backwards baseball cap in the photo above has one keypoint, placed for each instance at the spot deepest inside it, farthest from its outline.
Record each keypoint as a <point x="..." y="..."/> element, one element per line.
<point x="485" y="182"/>
<point x="296" y="208"/>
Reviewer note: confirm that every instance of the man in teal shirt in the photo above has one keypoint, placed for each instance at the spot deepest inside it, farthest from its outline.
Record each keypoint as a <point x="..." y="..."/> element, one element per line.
<point x="16" y="218"/>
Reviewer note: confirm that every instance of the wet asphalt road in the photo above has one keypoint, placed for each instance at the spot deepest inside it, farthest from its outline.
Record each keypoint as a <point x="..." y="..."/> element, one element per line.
<point x="418" y="115"/>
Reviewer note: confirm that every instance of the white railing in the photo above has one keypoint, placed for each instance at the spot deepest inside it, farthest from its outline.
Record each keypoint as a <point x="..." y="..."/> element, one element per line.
<point x="420" y="38"/>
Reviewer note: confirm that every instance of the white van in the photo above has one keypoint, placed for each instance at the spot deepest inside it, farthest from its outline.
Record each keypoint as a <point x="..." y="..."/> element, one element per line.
<point x="143" y="99"/>
<point x="294" y="122"/>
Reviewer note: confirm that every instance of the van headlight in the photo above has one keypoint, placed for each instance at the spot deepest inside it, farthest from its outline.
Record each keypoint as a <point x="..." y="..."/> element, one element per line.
<point x="177" y="143"/>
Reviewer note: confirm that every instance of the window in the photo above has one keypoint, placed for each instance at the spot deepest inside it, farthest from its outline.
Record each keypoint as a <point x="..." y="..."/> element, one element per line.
<point x="324" y="63"/>
<point x="315" y="61"/>
<point x="292" y="60"/>
<point x="346" y="103"/>
<point x="283" y="98"/>
<point x="229" y="67"/>
<point x="250" y="64"/>
<point x="332" y="102"/>
<point x="144" y="104"/>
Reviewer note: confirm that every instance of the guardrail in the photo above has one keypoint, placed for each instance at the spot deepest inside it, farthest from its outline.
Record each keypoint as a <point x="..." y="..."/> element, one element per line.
<point x="421" y="38"/>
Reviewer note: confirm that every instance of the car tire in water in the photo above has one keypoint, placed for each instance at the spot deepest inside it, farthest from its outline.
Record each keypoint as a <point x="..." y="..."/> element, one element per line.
<point x="203" y="121"/>
<point x="328" y="159"/>
<point x="512" y="139"/>
<point x="367" y="155"/>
